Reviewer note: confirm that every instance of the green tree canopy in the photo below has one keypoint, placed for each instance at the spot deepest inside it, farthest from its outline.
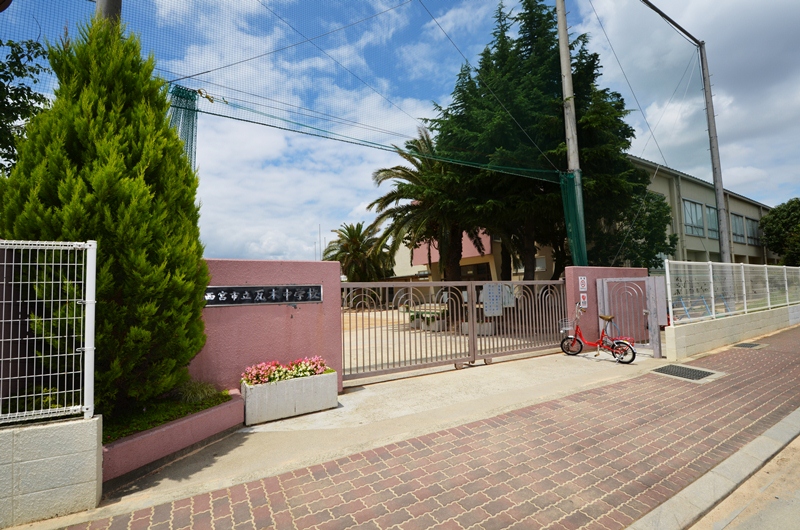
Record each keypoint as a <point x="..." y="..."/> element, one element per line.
<point x="362" y="253"/>
<point x="508" y="112"/>
<point x="781" y="229"/>
<point x="19" y="102"/>
<point x="103" y="163"/>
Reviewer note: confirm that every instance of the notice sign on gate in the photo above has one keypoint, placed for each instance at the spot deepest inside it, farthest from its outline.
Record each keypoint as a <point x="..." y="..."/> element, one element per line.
<point x="258" y="295"/>
<point x="583" y="285"/>
<point x="493" y="300"/>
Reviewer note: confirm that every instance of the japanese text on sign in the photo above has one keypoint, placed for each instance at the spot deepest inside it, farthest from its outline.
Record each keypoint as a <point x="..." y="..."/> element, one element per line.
<point x="275" y="294"/>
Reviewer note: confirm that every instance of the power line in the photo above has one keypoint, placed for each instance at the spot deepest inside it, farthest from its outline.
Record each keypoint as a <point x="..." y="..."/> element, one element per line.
<point x="315" y="114"/>
<point x="337" y="62"/>
<point x="487" y="86"/>
<point x="639" y="105"/>
<point x="306" y="40"/>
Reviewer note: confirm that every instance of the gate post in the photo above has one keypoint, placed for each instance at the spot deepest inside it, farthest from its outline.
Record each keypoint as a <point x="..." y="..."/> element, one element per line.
<point x="473" y="321"/>
<point x="89" y="275"/>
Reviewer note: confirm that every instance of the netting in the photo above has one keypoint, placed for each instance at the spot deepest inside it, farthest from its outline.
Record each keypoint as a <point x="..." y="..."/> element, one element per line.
<point x="183" y="118"/>
<point x="352" y="73"/>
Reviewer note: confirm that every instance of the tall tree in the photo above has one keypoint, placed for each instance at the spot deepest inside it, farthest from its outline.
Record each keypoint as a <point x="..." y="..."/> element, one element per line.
<point x="362" y="253"/>
<point x="103" y="163"/>
<point x="781" y="231"/>
<point x="19" y="101"/>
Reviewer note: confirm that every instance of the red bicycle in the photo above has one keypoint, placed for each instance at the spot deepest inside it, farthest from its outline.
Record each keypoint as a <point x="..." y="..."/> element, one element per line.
<point x="621" y="348"/>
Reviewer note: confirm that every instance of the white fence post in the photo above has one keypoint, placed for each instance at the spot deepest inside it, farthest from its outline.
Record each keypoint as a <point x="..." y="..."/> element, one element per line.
<point x="744" y="289"/>
<point x="769" y="297"/>
<point x="669" y="293"/>
<point x="88" y="344"/>
<point x="786" y="284"/>
<point x="711" y="277"/>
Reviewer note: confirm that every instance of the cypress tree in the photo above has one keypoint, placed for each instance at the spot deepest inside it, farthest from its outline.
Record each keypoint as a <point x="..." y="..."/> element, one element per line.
<point x="103" y="163"/>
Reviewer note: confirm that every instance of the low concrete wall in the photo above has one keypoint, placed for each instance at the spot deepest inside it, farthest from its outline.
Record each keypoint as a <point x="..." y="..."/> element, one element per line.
<point x="690" y="339"/>
<point x="242" y="336"/>
<point x="48" y="470"/>
<point x="141" y="449"/>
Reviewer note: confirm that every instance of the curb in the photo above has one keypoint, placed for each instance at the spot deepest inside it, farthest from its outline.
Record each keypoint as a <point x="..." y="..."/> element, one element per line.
<point x="700" y="497"/>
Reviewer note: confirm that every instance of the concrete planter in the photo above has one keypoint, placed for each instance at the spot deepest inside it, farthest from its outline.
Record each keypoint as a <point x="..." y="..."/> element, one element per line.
<point x="289" y="398"/>
<point x="434" y="325"/>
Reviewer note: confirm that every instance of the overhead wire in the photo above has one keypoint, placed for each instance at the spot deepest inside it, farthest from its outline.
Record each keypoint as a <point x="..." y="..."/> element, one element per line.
<point x="304" y="41"/>
<point x="274" y="13"/>
<point x="487" y="85"/>
<point x="688" y="69"/>
<point x="633" y="92"/>
<point x="315" y="114"/>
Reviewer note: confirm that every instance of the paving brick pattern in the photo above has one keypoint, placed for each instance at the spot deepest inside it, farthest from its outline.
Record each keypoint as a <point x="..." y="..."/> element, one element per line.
<point x="599" y="459"/>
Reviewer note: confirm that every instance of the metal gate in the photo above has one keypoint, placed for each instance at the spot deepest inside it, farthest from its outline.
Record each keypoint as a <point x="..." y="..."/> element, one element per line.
<point x="398" y="326"/>
<point x="634" y="303"/>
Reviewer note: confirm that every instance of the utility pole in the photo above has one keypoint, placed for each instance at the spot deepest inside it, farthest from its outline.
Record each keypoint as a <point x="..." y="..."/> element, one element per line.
<point x="722" y="210"/>
<point x="571" y="129"/>
<point x="111" y="9"/>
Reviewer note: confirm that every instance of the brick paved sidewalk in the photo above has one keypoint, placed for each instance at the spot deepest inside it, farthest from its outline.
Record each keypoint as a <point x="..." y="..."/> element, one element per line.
<point x="599" y="459"/>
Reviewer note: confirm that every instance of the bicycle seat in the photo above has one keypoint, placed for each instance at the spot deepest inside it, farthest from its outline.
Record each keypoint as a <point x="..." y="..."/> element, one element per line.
<point x="607" y="318"/>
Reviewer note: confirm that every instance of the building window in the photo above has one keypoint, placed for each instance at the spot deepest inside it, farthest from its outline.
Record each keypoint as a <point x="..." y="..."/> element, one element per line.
<point x="693" y="218"/>
<point x="713" y="222"/>
<point x="737" y="228"/>
<point x="541" y="264"/>
<point x="753" y="235"/>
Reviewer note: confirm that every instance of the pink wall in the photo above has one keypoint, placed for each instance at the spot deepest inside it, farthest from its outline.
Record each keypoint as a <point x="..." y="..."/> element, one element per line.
<point x="241" y="336"/>
<point x="420" y="256"/>
<point x="589" y="321"/>
<point x="143" y="448"/>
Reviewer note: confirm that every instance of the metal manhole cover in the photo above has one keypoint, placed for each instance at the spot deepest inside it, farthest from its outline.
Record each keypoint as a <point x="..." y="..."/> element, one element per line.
<point x="683" y="371"/>
<point x="747" y="345"/>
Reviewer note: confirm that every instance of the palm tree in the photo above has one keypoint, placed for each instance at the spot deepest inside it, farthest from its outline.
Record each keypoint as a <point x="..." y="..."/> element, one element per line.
<point x="426" y="204"/>
<point x="364" y="256"/>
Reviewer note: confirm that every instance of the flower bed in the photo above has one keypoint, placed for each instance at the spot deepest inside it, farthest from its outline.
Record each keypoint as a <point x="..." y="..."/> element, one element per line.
<point x="272" y="391"/>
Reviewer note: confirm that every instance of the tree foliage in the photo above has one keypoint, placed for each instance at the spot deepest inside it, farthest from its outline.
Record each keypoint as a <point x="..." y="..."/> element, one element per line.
<point x="508" y="113"/>
<point x="781" y="231"/>
<point x="19" y="102"/>
<point x="103" y="163"/>
<point x="428" y="204"/>
<point x="362" y="253"/>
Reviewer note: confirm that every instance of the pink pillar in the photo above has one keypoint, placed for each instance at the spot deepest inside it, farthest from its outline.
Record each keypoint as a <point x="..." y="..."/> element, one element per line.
<point x="240" y="336"/>
<point x="589" y="321"/>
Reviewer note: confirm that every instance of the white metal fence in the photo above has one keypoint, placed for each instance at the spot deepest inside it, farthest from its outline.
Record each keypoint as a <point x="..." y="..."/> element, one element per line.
<point x="701" y="291"/>
<point x="47" y="311"/>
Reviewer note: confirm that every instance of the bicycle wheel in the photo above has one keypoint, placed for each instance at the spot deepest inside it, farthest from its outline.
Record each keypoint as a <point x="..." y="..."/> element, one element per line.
<point x="571" y="346"/>
<point x="624" y="352"/>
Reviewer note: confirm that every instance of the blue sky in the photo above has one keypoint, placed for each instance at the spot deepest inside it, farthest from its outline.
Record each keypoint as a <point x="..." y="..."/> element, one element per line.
<point x="269" y="193"/>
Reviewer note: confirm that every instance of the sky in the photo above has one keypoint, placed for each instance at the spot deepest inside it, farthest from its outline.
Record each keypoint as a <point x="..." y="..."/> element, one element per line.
<point x="373" y="68"/>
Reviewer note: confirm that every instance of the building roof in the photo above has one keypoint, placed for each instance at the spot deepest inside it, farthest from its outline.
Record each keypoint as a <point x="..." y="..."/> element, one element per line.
<point x="696" y="180"/>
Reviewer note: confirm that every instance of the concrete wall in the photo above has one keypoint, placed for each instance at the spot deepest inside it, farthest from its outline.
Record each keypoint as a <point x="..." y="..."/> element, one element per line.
<point x="698" y="337"/>
<point x="49" y="470"/>
<point x="241" y="336"/>
<point x="589" y="321"/>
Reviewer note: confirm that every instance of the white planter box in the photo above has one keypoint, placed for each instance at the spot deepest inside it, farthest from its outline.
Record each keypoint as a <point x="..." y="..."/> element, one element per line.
<point x="481" y="329"/>
<point x="292" y="397"/>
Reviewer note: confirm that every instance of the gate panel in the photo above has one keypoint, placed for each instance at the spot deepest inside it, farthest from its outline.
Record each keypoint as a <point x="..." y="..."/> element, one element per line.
<point x="634" y="304"/>
<point x="528" y="321"/>
<point x="397" y="326"/>
<point x="394" y="326"/>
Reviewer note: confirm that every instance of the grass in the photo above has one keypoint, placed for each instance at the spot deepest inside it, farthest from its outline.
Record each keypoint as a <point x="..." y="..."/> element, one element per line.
<point x="156" y="413"/>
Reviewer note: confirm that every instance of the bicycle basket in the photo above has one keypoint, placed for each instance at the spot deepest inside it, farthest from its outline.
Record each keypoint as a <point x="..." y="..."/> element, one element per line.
<point x="566" y="324"/>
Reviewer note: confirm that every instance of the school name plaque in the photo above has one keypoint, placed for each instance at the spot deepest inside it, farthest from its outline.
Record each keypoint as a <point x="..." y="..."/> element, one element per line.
<point x="263" y="295"/>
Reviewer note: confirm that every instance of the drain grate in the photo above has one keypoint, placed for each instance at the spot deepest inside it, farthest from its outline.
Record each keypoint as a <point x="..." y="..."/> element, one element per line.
<point x="746" y="345"/>
<point x="683" y="371"/>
